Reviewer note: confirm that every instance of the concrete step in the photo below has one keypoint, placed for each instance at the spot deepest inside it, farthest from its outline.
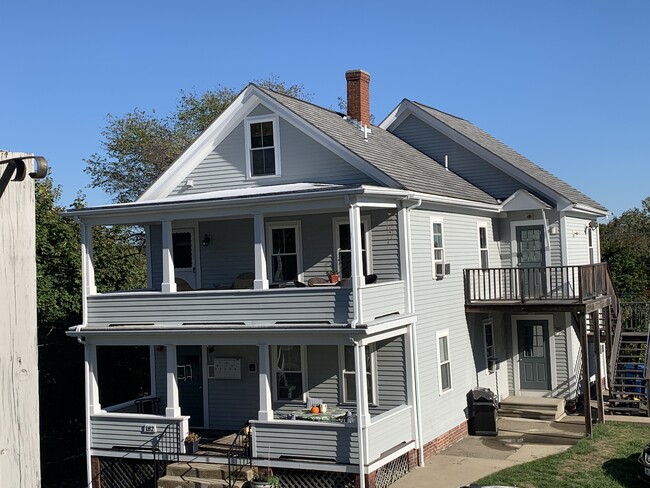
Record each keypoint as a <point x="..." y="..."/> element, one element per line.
<point x="532" y="408"/>
<point x="206" y="471"/>
<point x="192" y="482"/>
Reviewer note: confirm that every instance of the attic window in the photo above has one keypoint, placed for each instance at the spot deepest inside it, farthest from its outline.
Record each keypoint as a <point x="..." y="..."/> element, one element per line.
<point x="262" y="147"/>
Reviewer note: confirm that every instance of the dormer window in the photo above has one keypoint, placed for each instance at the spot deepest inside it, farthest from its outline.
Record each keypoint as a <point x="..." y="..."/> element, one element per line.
<point x="262" y="147"/>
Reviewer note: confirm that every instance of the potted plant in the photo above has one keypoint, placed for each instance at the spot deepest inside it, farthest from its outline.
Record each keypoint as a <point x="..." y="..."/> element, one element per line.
<point x="192" y="442"/>
<point x="334" y="276"/>
<point x="265" y="479"/>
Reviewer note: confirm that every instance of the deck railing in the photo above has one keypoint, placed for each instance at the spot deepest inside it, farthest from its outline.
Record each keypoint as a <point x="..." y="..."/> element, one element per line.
<point x="571" y="283"/>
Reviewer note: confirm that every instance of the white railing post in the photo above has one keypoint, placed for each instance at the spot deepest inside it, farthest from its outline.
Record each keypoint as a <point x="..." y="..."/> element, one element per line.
<point x="87" y="265"/>
<point x="261" y="279"/>
<point x="169" y="280"/>
<point x="266" y="407"/>
<point x="173" y="400"/>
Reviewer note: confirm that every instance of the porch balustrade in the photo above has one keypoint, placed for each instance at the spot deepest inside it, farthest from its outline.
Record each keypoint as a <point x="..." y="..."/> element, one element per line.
<point x="562" y="283"/>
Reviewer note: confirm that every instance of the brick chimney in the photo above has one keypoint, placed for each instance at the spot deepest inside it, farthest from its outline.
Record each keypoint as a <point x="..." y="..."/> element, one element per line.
<point x="359" y="95"/>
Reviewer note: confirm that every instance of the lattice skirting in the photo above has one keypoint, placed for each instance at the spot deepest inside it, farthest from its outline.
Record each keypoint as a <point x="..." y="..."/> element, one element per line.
<point x="295" y="478"/>
<point x="391" y="472"/>
<point x="124" y="473"/>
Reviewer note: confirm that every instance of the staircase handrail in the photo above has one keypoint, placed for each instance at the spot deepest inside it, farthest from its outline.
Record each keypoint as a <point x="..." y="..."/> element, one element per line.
<point x="240" y="448"/>
<point x="616" y="342"/>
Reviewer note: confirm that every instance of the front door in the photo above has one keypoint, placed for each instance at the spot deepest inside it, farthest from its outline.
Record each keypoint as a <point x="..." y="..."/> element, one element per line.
<point x="190" y="383"/>
<point x="531" y="257"/>
<point x="534" y="360"/>
<point x="185" y="256"/>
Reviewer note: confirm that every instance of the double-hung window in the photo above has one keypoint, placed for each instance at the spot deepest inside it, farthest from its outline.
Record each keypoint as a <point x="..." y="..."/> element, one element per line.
<point x="262" y="146"/>
<point x="348" y="374"/>
<point x="590" y="244"/>
<point x="444" y="361"/>
<point x="343" y="246"/>
<point x="285" y="259"/>
<point x="289" y="362"/>
<point x="437" y="249"/>
<point x="483" y="246"/>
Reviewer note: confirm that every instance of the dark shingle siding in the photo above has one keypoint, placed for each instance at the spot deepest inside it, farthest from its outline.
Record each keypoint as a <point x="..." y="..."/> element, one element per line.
<point x="510" y="156"/>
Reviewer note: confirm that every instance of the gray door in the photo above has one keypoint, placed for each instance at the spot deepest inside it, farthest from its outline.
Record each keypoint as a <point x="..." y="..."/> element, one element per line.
<point x="534" y="364"/>
<point x="531" y="257"/>
<point x="190" y="383"/>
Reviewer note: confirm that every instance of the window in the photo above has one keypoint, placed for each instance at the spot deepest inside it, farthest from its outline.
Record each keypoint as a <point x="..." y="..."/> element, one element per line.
<point x="262" y="155"/>
<point x="490" y="349"/>
<point x="343" y="246"/>
<point x="483" y="247"/>
<point x="590" y="236"/>
<point x="289" y="379"/>
<point x="444" y="362"/>
<point x="437" y="249"/>
<point x="284" y="252"/>
<point x="348" y="374"/>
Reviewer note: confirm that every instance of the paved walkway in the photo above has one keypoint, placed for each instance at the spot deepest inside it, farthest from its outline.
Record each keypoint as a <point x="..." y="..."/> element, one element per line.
<point x="519" y="441"/>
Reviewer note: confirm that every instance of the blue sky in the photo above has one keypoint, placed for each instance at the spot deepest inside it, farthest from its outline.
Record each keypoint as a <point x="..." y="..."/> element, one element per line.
<point x="566" y="83"/>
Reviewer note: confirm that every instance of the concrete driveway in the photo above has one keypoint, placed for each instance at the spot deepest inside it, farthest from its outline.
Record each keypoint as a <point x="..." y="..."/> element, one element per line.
<point x="519" y="441"/>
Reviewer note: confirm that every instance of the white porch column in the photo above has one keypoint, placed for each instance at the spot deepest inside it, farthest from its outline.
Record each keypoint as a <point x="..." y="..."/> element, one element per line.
<point x="266" y="406"/>
<point x="92" y="400"/>
<point x="356" y="248"/>
<point x="261" y="279"/>
<point x="169" y="280"/>
<point x="87" y="265"/>
<point x="410" y="343"/>
<point x="363" y="414"/>
<point x="173" y="405"/>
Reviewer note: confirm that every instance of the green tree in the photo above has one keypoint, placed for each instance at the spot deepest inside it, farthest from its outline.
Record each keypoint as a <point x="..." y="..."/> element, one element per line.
<point x="139" y="146"/>
<point x="625" y="243"/>
<point x="120" y="264"/>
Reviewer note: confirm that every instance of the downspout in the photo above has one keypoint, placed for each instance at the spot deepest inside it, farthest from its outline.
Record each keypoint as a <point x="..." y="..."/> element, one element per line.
<point x="82" y="340"/>
<point x="361" y="419"/>
<point x="410" y="308"/>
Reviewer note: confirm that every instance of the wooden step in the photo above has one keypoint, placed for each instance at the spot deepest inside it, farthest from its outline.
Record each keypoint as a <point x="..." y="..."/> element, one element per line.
<point x="207" y="471"/>
<point x="192" y="482"/>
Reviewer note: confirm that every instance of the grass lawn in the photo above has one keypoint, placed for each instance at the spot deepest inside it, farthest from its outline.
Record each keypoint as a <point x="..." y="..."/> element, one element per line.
<point x="609" y="460"/>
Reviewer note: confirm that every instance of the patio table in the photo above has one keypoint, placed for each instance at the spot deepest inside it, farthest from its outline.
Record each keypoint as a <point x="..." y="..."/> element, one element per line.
<point x="332" y="415"/>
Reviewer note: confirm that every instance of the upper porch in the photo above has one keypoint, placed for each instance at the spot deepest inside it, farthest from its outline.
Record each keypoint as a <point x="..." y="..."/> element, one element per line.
<point x="258" y="261"/>
<point x="537" y="289"/>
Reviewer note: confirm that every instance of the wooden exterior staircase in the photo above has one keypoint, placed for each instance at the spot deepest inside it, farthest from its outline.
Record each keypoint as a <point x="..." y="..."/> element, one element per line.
<point x="202" y="475"/>
<point x="628" y="382"/>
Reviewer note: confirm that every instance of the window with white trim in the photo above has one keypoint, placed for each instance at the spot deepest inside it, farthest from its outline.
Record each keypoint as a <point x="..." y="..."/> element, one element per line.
<point x="444" y="361"/>
<point x="437" y="249"/>
<point x="289" y="377"/>
<point x="285" y="259"/>
<point x="262" y="148"/>
<point x="483" y="247"/>
<point x="490" y="348"/>
<point x="590" y="237"/>
<point x="348" y="374"/>
<point x="343" y="246"/>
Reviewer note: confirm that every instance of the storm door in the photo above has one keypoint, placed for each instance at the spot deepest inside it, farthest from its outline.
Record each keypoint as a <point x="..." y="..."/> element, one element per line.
<point x="534" y="357"/>
<point x="190" y="383"/>
<point x="185" y="257"/>
<point x="531" y="258"/>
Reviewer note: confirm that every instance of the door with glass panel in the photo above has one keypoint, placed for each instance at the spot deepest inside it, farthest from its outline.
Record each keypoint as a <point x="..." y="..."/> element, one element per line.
<point x="185" y="256"/>
<point x="534" y="357"/>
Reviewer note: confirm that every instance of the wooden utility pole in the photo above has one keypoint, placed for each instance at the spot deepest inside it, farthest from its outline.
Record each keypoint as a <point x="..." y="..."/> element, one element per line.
<point x="19" y="432"/>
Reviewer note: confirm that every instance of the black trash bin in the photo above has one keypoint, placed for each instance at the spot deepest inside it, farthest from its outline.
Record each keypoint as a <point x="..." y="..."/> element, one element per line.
<point x="483" y="412"/>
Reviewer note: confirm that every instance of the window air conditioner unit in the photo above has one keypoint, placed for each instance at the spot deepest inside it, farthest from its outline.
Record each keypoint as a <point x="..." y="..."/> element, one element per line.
<point x="442" y="269"/>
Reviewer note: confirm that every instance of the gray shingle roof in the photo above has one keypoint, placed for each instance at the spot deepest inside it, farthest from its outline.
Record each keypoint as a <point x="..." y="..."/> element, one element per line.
<point x="400" y="161"/>
<point x="510" y="156"/>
